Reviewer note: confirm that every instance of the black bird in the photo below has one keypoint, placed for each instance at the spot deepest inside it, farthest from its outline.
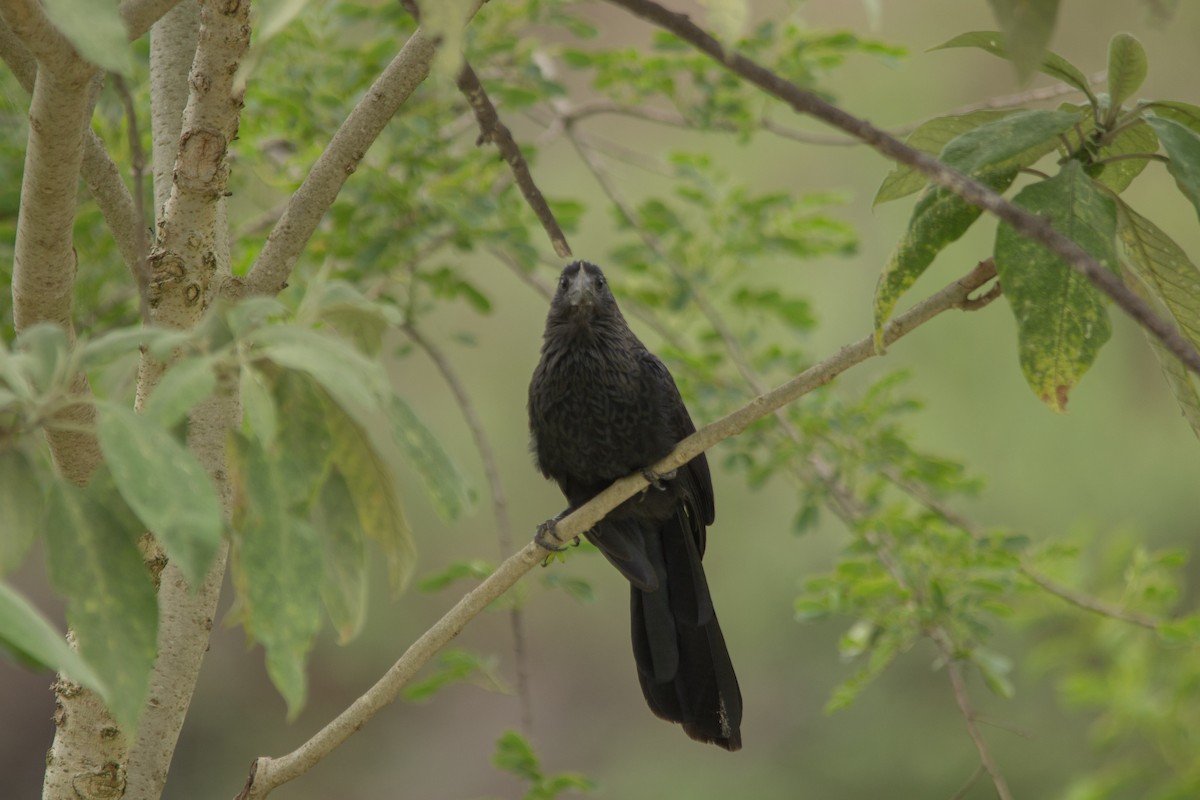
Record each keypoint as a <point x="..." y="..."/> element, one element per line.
<point x="602" y="406"/>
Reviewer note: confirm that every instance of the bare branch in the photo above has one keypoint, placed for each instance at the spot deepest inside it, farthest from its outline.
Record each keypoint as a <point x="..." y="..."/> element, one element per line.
<point x="1032" y="226"/>
<point x="339" y="160"/>
<point x="492" y="130"/>
<point x="267" y="773"/>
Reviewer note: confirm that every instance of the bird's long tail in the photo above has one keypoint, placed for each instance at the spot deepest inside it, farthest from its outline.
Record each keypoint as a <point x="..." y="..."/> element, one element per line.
<point x="682" y="662"/>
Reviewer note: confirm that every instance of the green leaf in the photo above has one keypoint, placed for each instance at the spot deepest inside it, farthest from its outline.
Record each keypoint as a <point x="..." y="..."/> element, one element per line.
<point x="342" y="371"/>
<point x="1172" y="281"/>
<point x="344" y="581"/>
<point x="515" y="755"/>
<point x="46" y="352"/>
<point x="938" y="219"/>
<point x="1183" y="148"/>
<point x="257" y="406"/>
<point x="276" y="563"/>
<point x="1061" y="319"/>
<point x="32" y="639"/>
<point x="302" y="446"/>
<point x="111" y="607"/>
<point x="372" y="484"/>
<point x="1164" y="267"/>
<point x="22" y="506"/>
<point x="1028" y="26"/>
<point x="930" y="137"/>
<point x="451" y="494"/>
<point x="1184" y="113"/>
<point x="165" y="486"/>
<point x="95" y="29"/>
<point x="1137" y="138"/>
<point x="183" y="385"/>
<point x="1052" y="64"/>
<point x="1127" y="66"/>
<point x="1016" y="140"/>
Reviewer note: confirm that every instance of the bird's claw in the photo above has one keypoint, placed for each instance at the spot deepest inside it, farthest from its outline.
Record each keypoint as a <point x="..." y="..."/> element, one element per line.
<point x="547" y="537"/>
<point x="658" y="479"/>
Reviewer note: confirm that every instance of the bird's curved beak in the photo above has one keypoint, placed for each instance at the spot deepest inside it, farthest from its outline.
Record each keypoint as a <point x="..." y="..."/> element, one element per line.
<point x="582" y="290"/>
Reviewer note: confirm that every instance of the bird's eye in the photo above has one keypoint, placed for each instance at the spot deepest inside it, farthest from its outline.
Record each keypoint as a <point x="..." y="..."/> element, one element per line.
<point x="600" y="280"/>
<point x="564" y="282"/>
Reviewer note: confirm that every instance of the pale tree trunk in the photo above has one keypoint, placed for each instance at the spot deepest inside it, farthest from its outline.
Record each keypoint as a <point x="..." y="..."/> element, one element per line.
<point x="196" y="50"/>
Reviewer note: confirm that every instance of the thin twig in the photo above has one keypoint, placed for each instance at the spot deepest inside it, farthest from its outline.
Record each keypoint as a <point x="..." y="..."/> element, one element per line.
<point x="487" y="457"/>
<point x="137" y="166"/>
<point x="493" y="131"/>
<point x="267" y="773"/>
<point x="964" y="705"/>
<point x="1089" y="603"/>
<point x="1036" y="228"/>
<point x="971" y="781"/>
<point x="339" y="160"/>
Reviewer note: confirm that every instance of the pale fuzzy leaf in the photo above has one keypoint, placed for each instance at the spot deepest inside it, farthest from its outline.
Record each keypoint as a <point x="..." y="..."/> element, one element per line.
<point x="96" y="30"/>
<point x="111" y="607"/>
<point x="344" y="580"/>
<point x="33" y="639"/>
<point x="22" y="507"/>
<point x="165" y="486"/>
<point x="276" y="564"/>
<point x="181" y="388"/>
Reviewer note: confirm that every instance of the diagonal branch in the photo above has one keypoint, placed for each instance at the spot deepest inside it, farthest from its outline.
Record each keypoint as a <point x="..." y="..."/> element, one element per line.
<point x="492" y="130"/>
<point x="339" y="160"/>
<point x="1032" y="226"/>
<point x="267" y="774"/>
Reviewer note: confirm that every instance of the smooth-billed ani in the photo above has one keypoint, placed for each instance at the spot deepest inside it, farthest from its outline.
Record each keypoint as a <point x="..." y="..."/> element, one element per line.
<point x="600" y="407"/>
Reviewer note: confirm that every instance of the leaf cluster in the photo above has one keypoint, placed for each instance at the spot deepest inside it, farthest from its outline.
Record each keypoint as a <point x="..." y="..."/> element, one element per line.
<point x="1101" y="147"/>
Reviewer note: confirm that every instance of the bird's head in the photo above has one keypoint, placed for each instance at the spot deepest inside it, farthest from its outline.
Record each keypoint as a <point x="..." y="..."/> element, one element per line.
<point x="582" y="295"/>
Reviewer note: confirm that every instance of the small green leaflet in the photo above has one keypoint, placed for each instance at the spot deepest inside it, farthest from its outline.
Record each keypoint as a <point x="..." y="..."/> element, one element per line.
<point x="1061" y="318"/>
<point x="276" y="563"/>
<point x="1183" y="148"/>
<point x="31" y="638"/>
<point x="1127" y="68"/>
<point x="165" y="486"/>
<point x="22" y="506"/>
<point x="1028" y="26"/>
<point x="111" y="605"/>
